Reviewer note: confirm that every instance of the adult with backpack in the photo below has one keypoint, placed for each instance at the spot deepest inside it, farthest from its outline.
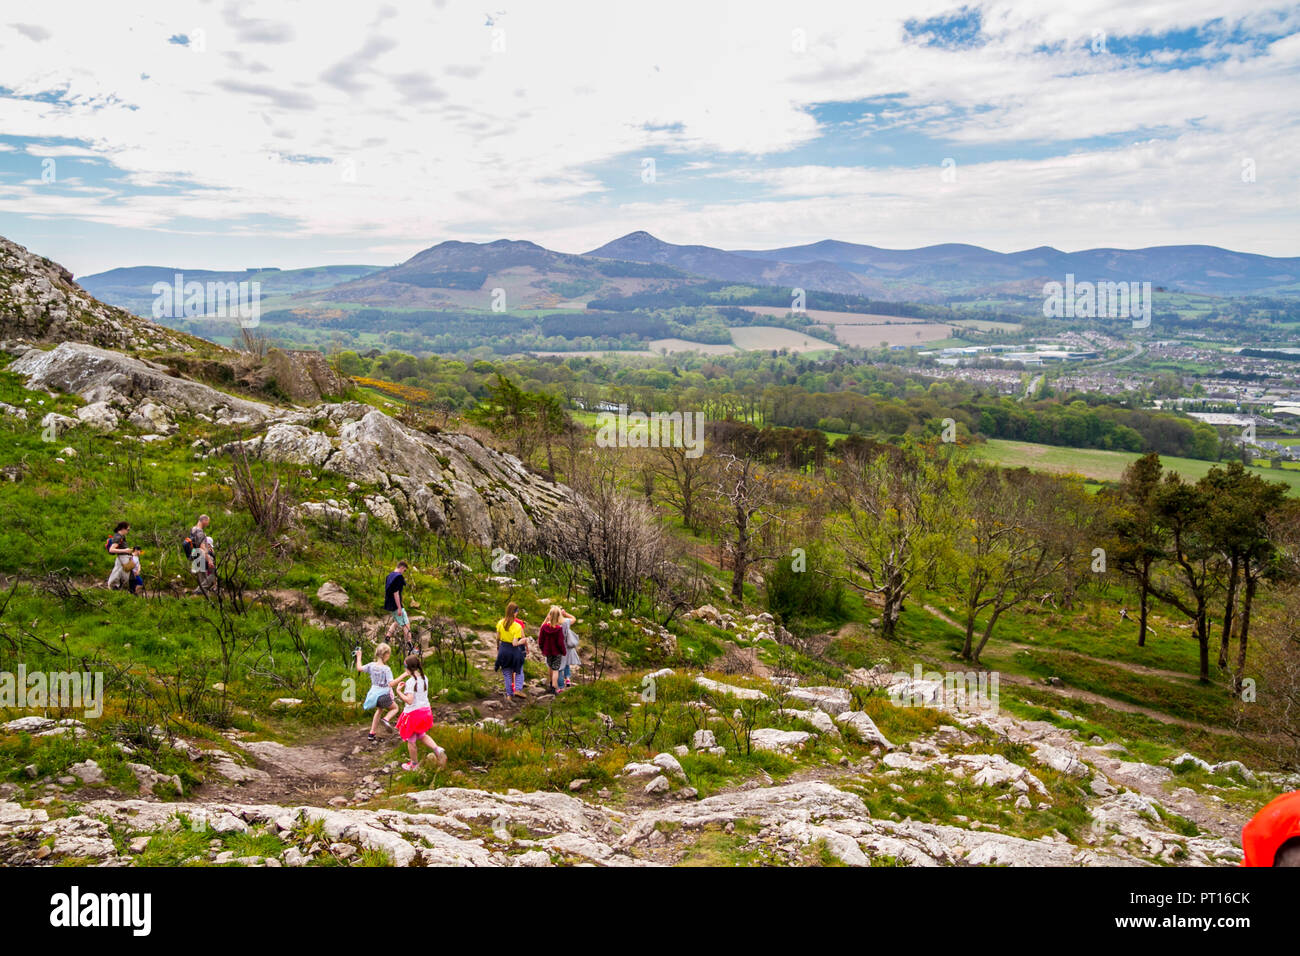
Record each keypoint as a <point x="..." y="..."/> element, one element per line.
<point x="123" y="559"/>
<point x="197" y="548"/>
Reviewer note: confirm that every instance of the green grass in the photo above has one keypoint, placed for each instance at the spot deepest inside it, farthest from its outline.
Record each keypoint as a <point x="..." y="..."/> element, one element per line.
<point x="1100" y="465"/>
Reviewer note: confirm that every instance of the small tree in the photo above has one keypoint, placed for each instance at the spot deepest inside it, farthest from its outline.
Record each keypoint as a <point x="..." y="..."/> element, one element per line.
<point x="260" y="492"/>
<point x="898" y="519"/>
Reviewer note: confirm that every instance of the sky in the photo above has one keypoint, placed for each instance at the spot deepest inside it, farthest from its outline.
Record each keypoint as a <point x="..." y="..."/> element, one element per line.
<point x="229" y="135"/>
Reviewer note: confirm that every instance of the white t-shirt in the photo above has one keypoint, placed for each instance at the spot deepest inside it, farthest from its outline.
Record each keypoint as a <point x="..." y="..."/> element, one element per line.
<point x="420" y="690"/>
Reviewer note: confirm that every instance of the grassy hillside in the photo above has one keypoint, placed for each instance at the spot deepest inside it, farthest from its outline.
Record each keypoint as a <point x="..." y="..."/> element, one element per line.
<point x="1104" y="465"/>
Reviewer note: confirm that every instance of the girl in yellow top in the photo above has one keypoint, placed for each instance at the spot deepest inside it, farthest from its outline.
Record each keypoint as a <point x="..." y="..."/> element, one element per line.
<point x="512" y="649"/>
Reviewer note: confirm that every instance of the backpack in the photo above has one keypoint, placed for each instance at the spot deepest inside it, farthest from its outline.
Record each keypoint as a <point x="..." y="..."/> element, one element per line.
<point x="108" y="545"/>
<point x="187" y="549"/>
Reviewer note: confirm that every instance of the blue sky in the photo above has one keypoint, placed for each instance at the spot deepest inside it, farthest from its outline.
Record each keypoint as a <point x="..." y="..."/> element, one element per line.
<point x="227" y="135"/>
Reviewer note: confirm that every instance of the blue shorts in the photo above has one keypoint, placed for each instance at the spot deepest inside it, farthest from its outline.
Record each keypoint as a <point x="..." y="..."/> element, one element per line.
<point x="399" y="617"/>
<point x="379" y="695"/>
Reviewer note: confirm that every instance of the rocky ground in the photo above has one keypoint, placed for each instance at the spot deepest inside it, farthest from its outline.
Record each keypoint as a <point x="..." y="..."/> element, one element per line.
<point x="315" y="803"/>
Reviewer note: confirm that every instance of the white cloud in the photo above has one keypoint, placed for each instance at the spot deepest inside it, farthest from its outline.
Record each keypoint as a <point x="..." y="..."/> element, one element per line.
<point x="430" y="134"/>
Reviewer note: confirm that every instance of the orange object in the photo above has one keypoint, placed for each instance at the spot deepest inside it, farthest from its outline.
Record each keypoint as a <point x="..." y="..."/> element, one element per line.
<point x="1277" y="822"/>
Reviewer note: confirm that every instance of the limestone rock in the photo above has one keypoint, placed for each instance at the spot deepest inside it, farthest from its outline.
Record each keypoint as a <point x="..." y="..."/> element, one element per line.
<point x="779" y="741"/>
<point x="333" y="595"/>
<point x="743" y="693"/>
<point x="1061" y="760"/>
<point x="832" y="700"/>
<point x="669" y="764"/>
<point x="154" y="418"/>
<point x="87" y="771"/>
<point x="703" y="740"/>
<point x="81" y="369"/>
<point x="863" y="727"/>
<point x="40" y="301"/>
<point x="99" y="416"/>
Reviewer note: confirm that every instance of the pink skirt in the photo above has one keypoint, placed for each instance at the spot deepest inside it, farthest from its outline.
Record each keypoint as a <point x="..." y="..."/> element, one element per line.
<point x="413" y="723"/>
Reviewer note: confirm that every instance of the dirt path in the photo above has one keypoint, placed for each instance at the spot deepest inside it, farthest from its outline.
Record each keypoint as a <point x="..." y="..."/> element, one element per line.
<point x="339" y="762"/>
<point x="1075" y="693"/>
<point x="1140" y="669"/>
<point x="313" y="771"/>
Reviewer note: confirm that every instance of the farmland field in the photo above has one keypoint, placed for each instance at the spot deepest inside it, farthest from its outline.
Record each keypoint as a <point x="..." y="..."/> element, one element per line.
<point x="1102" y="465"/>
<point x="749" y="337"/>
<point x="663" y="346"/>
<point x="823" y="317"/>
<point x="874" y="336"/>
<point x="984" y="325"/>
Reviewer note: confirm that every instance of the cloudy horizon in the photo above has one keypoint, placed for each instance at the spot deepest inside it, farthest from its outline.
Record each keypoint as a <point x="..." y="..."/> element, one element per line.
<point x="218" y="134"/>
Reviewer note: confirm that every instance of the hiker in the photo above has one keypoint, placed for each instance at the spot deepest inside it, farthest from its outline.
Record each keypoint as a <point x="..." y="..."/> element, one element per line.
<point x="551" y="642"/>
<point x="1272" y="837"/>
<point x="380" y="696"/>
<point x="571" y="659"/>
<point x="116" y="546"/>
<point x="414" y="724"/>
<point x="198" y="547"/>
<point x="393" y="604"/>
<point x="512" y="650"/>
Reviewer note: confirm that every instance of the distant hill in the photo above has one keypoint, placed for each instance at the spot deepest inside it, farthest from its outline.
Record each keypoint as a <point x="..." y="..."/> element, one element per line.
<point x="809" y="273"/>
<point x="463" y="275"/>
<point x="930" y="272"/>
<point x="638" y="267"/>
<point x="132" y="288"/>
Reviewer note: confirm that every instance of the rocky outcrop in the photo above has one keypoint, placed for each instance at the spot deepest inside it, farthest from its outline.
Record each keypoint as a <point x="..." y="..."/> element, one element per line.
<point x="40" y="302"/>
<point x="443" y="482"/>
<point x="303" y="376"/>
<point x="145" y="389"/>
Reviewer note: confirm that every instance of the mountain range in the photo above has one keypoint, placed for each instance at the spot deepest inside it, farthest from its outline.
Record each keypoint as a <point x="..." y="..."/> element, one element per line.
<point x="467" y="276"/>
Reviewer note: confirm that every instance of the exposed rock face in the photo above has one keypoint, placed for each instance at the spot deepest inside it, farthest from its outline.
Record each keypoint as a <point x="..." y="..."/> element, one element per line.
<point x="101" y="375"/>
<point x="563" y="828"/>
<point x="40" y="302"/>
<point x="443" y="482"/>
<point x="446" y="481"/>
<point x="303" y="377"/>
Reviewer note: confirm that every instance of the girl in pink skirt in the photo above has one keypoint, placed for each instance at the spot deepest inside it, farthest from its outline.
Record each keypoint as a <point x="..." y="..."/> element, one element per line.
<point x="414" y="724"/>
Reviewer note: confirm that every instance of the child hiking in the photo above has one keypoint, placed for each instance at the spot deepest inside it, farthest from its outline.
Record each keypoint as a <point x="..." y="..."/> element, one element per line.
<point x="394" y="605"/>
<point x="512" y="650"/>
<point x="551" y="642"/>
<point x="380" y="695"/>
<point x="414" y="724"/>
<point x="137" y="580"/>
